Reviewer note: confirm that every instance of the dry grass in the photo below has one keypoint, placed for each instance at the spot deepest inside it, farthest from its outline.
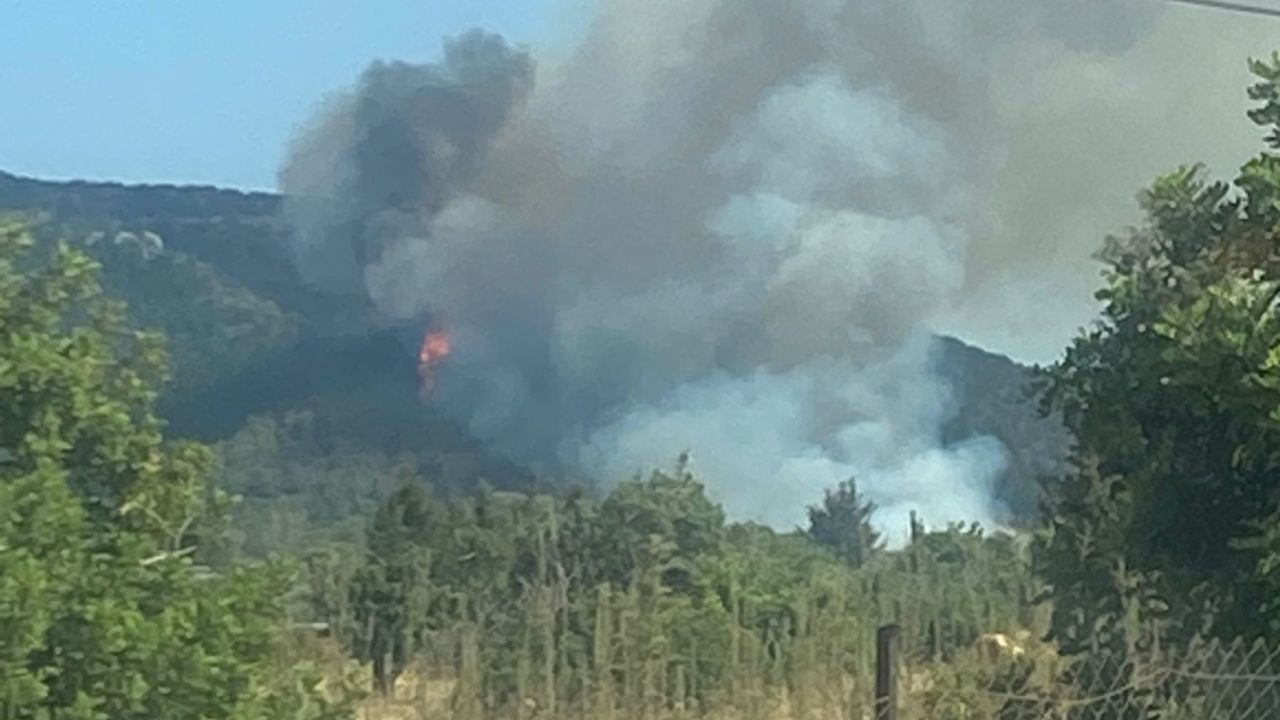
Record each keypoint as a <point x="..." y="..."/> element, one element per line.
<point x="415" y="696"/>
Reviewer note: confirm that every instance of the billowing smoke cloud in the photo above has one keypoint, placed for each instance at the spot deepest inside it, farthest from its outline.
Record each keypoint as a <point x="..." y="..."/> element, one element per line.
<point x="396" y="152"/>
<point x="732" y="227"/>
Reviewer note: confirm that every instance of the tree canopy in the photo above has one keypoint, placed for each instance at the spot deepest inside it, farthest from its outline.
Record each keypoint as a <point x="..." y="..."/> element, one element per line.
<point x="102" y="613"/>
<point x="1172" y="399"/>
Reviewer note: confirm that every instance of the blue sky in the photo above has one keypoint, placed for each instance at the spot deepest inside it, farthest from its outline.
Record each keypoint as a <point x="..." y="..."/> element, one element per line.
<point x="207" y="92"/>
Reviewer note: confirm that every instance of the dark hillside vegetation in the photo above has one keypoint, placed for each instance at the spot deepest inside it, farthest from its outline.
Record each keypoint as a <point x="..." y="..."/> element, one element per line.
<point x="241" y="234"/>
<point x="238" y="232"/>
<point x="294" y="375"/>
<point x="995" y="396"/>
<point x="250" y="338"/>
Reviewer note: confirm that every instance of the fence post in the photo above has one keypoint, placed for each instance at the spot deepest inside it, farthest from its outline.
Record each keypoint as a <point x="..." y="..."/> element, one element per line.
<point x="886" y="672"/>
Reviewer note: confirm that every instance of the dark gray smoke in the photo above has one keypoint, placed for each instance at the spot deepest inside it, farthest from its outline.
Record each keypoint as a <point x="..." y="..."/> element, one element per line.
<point x="733" y="226"/>
<point x="392" y="154"/>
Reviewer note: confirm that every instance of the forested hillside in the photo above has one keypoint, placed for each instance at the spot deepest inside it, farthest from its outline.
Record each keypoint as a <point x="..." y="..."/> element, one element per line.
<point x="235" y="231"/>
<point x="253" y="346"/>
<point x="996" y="397"/>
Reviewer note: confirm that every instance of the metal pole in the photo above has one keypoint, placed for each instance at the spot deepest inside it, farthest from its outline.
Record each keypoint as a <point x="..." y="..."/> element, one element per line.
<point x="886" y="672"/>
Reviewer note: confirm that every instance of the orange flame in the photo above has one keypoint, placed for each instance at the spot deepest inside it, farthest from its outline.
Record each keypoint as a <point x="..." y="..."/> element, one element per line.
<point x="436" y="346"/>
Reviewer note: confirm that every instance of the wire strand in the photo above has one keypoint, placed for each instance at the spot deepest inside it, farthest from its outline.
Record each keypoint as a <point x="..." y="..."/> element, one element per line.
<point x="1231" y="6"/>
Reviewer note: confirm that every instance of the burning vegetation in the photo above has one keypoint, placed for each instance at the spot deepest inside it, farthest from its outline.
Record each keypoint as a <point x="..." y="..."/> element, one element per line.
<point x="436" y="346"/>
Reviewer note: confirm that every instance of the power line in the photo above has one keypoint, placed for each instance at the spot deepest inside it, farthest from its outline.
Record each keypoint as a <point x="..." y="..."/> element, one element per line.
<point x="1231" y="6"/>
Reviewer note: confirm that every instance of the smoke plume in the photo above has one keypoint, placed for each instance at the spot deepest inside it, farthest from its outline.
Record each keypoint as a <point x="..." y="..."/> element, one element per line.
<point x="732" y="227"/>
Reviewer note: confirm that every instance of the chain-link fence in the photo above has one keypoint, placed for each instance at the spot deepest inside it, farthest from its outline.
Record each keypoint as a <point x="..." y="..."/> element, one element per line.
<point x="1205" y="681"/>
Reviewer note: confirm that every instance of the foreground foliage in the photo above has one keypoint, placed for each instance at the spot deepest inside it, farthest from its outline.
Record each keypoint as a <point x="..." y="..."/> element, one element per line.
<point x="1173" y="398"/>
<point x="102" y="614"/>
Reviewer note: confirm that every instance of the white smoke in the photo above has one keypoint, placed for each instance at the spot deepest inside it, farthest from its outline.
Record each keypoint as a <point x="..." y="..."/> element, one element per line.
<point x="732" y="227"/>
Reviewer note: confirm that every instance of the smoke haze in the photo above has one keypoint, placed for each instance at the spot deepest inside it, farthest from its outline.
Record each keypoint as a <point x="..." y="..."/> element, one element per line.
<point x="732" y="227"/>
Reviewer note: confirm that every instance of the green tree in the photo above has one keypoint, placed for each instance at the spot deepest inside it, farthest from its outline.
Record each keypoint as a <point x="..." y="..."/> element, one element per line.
<point x="670" y="511"/>
<point x="391" y="594"/>
<point x="1175" y="393"/>
<point x="101" y="614"/>
<point x="842" y="523"/>
<point x="1103" y="611"/>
